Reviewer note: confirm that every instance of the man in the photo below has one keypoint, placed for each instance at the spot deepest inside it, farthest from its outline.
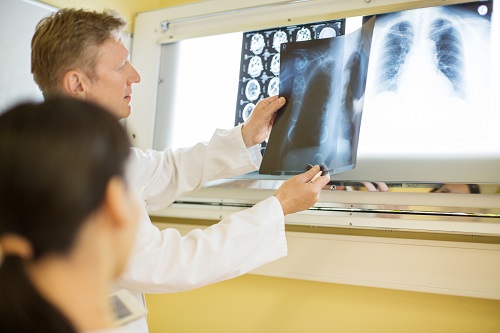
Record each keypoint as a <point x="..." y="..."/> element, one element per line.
<point x="79" y="53"/>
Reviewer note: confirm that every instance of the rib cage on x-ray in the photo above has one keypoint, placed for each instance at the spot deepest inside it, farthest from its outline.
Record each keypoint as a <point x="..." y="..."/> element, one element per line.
<point x="324" y="83"/>
<point x="429" y="81"/>
<point x="397" y="45"/>
<point x="442" y="27"/>
<point x="315" y="96"/>
<point x="449" y="52"/>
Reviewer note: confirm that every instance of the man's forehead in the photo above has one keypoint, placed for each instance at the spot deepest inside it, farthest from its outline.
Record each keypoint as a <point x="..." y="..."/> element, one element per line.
<point x="114" y="48"/>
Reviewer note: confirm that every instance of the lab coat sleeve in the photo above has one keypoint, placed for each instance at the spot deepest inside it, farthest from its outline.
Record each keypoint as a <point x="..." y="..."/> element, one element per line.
<point x="159" y="177"/>
<point x="164" y="261"/>
<point x="169" y="262"/>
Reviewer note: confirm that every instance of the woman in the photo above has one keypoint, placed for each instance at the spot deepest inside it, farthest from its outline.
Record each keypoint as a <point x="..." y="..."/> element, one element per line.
<point x="67" y="220"/>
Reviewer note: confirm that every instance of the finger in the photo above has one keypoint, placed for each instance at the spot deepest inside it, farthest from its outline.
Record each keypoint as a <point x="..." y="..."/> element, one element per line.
<point x="271" y="121"/>
<point x="323" y="180"/>
<point x="316" y="176"/>
<point x="369" y="186"/>
<point x="309" y="174"/>
<point x="270" y="99"/>
<point x="278" y="103"/>
<point x="271" y="106"/>
<point x="264" y="103"/>
<point x="382" y="186"/>
<point x="320" y="181"/>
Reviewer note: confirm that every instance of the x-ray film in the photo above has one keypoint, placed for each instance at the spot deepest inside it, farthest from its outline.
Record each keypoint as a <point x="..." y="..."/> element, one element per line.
<point x="429" y="73"/>
<point x="260" y="60"/>
<point x="324" y="84"/>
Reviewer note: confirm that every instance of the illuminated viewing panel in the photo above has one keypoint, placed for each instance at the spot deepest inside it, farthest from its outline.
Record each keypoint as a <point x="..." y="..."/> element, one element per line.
<point x="427" y="113"/>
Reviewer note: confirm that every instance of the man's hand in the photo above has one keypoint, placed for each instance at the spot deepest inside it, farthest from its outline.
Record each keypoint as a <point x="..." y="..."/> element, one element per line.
<point x="258" y="126"/>
<point x="297" y="193"/>
<point x="376" y="186"/>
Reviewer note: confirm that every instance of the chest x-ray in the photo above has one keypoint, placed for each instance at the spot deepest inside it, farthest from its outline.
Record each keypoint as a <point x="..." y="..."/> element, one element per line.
<point x="324" y="83"/>
<point x="428" y="88"/>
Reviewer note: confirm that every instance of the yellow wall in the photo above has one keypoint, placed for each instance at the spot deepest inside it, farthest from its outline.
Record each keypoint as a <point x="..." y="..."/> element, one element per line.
<point x="263" y="304"/>
<point x="251" y="304"/>
<point x="127" y="8"/>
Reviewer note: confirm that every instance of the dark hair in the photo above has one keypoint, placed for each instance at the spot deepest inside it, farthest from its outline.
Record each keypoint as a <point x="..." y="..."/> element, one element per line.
<point x="473" y="188"/>
<point x="57" y="159"/>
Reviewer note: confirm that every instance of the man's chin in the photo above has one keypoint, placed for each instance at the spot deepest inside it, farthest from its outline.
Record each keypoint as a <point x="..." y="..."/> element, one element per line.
<point x="128" y="111"/>
<point x="122" y="113"/>
<point x="125" y="114"/>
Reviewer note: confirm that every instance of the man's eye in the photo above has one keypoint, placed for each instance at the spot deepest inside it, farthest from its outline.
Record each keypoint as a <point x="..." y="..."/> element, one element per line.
<point x="123" y="65"/>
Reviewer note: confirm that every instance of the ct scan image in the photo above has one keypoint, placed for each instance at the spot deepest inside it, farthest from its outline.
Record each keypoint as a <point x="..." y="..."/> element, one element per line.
<point x="260" y="60"/>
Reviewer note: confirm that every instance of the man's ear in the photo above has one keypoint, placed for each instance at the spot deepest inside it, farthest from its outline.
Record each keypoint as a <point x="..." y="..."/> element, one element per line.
<point x="74" y="83"/>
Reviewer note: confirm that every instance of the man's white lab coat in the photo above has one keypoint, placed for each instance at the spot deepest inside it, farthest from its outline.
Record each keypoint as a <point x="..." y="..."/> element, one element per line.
<point x="164" y="261"/>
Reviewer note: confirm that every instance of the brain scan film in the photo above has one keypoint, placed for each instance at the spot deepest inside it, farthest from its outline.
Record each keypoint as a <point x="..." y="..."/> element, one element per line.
<point x="327" y="32"/>
<point x="275" y="64"/>
<point x="257" y="44"/>
<point x="260" y="60"/>
<point x="303" y="34"/>
<point x="255" y="66"/>
<point x="279" y="38"/>
<point x="247" y="111"/>
<point x="274" y="87"/>
<point x="252" y="91"/>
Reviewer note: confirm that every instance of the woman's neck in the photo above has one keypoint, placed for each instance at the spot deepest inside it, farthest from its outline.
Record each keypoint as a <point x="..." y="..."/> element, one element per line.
<point x="77" y="286"/>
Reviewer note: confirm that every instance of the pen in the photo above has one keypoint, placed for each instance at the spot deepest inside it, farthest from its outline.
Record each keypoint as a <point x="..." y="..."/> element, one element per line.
<point x="316" y="176"/>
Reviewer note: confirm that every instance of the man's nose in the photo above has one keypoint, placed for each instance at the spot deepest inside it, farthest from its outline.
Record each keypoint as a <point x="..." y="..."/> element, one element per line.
<point x="134" y="76"/>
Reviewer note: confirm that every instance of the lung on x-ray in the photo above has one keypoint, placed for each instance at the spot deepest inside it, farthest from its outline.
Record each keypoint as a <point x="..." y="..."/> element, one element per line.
<point x="429" y="74"/>
<point x="324" y="84"/>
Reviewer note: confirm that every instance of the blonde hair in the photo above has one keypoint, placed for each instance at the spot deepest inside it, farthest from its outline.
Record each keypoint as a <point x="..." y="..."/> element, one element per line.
<point x="69" y="39"/>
